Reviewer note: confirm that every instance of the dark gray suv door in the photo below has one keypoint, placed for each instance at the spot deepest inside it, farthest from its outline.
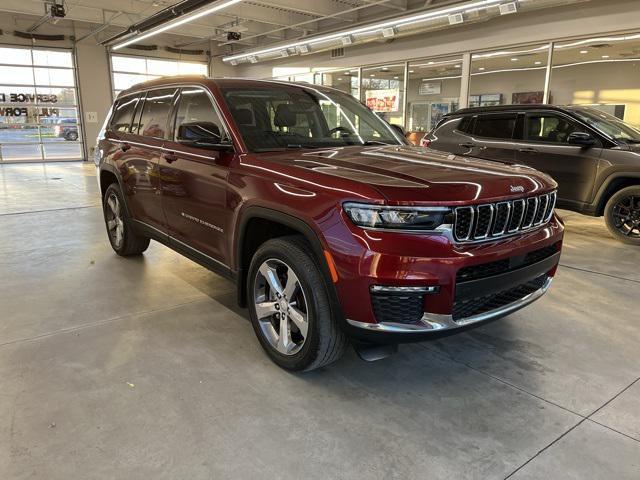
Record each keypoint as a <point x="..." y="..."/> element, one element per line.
<point x="544" y="146"/>
<point x="488" y="136"/>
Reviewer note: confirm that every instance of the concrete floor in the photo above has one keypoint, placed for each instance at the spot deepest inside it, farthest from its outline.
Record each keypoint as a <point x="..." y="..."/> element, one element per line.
<point x="144" y="368"/>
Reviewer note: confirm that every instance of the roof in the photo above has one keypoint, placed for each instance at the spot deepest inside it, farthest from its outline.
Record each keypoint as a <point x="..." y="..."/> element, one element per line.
<point x="509" y="108"/>
<point x="220" y="82"/>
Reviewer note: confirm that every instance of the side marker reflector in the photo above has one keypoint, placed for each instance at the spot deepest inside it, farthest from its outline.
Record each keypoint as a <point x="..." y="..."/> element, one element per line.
<point x="332" y="266"/>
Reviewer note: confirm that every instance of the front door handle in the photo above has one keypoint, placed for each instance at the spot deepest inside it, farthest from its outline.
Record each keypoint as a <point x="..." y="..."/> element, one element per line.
<point x="467" y="145"/>
<point x="170" y="157"/>
<point x="125" y="146"/>
<point x="528" y="150"/>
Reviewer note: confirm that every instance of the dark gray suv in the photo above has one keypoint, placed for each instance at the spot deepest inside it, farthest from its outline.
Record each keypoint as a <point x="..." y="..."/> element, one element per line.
<point x="594" y="156"/>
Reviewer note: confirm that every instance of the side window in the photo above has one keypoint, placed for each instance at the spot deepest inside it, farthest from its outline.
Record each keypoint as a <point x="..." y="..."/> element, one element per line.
<point x="123" y="114"/>
<point x="495" y="126"/>
<point x="465" y="125"/>
<point x="197" y="119"/>
<point x="548" y="128"/>
<point x="155" y="113"/>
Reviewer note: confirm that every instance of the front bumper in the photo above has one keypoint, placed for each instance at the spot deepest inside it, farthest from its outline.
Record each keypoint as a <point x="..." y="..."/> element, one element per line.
<point x="453" y="304"/>
<point x="434" y="322"/>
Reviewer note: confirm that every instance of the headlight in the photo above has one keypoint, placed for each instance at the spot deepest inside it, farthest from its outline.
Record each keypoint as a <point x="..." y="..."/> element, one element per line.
<point x="398" y="218"/>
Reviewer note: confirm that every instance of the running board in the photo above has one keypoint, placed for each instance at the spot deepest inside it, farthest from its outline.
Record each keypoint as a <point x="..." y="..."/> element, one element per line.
<point x="372" y="352"/>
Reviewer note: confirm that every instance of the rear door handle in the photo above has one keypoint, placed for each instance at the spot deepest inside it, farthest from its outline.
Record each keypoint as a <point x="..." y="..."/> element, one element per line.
<point x="125" y="146"/>
<point x="467" y="145"/>
<point x="528" y="150"/>
<point x="170" y="157"/>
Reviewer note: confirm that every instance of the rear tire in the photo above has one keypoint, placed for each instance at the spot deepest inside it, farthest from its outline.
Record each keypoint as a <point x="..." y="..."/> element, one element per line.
<point x="622" y="215"/>
<point x="287" y="287"/>
<point x="124" y="241"/>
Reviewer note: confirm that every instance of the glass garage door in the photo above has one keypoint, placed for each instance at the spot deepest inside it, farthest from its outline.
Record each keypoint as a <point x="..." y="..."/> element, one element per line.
<point x="128" y="70"/>
<point x="38" y="106"/>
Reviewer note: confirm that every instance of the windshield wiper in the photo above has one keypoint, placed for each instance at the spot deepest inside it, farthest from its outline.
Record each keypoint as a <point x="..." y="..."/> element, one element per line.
<point x="368" y="143"/>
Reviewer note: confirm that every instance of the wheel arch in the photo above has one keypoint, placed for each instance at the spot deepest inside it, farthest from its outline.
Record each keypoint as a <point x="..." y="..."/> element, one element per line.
<point x="614" y="183"/>
<point x="255" y="219"/>
<point x="109" y="175"/>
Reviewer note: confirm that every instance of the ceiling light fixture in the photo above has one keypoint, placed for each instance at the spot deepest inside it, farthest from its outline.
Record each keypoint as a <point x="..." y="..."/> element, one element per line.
<point x="389" y="32"/>
<point x="584" y="51"/>
<point x="456" y="19"/>
<point x="189" y="17"/>
<point x="514" y="59"/>
<point x="302" y="48"/>
<point x="605" y="56"/>
<point x="348" y="40"/>
<point x="400" y="22"/>
<point x="537" y="62"/>
<point x="507" y="8"/>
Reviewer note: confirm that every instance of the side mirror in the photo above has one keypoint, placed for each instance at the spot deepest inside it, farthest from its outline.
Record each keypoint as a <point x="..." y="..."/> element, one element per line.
<point x="202" y="135"/>
<point x="581" y="138"/>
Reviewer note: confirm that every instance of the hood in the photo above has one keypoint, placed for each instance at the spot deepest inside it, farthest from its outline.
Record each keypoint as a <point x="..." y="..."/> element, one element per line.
<point x="417" y="174"/>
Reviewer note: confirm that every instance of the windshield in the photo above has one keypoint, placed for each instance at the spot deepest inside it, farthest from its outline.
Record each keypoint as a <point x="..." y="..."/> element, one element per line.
<point x="288" y="116"/>
<point x="611" y="126"/>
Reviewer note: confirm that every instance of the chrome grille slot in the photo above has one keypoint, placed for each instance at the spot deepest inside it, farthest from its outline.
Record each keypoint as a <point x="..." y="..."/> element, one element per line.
<point x="494" y="220"/>
<point x="501" y="217"/>
<point x="517" y="213"/>
<point x="483" y="224"/>
<point x="463" y="222"/>
<point x="542" y="208"/>
<point x="530" y="212"/>
<point x="550" y="206"/>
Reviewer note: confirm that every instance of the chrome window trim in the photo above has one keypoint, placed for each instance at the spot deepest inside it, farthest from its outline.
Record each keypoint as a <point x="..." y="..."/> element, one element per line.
<point x="179" y="85"/>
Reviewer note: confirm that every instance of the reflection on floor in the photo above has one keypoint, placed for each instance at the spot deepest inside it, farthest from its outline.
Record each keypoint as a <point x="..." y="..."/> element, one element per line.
<point x="145" y="368"/>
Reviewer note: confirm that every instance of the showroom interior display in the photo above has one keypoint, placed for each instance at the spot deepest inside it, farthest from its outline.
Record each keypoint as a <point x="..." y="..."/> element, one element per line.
<point x="286" y="267"/>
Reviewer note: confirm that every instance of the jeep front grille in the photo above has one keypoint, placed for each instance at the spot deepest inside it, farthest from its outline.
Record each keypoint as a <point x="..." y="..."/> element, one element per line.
<point x="493" y="220"/>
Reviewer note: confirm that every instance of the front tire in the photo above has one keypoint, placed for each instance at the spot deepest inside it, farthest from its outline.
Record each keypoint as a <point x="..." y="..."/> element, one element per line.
<point x="290" y="308"/>
<point x="124" y="241"/>
<point x="622" y="215"/>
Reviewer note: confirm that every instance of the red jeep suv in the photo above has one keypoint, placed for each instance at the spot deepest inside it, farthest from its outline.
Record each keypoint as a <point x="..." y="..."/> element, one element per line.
<point x="332" y="227"/>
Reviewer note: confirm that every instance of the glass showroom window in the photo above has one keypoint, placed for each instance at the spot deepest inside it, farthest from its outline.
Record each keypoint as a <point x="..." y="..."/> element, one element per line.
<point x="433" y="89"/>
<point x="512" y="75"/>
<point x="603" y="72"/>
<point x="345" y="80"/>
<point x="127" y="70"/>
<point x="38" y="106"/>
<point x="382" y="89"/>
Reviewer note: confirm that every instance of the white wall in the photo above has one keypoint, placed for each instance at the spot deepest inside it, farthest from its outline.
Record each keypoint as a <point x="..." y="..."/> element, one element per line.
<point x="94" y="83"/>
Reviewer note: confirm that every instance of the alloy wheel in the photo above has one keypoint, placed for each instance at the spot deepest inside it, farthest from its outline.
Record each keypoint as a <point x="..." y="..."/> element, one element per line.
<point x="115" y="224"/>
<point x="626" y="216"/>
<point x="281" y="307"/>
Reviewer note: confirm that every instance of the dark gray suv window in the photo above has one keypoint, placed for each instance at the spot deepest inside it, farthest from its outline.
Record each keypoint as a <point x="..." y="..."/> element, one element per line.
<point x="549" y="128"/>
<point x="495" y="126"/>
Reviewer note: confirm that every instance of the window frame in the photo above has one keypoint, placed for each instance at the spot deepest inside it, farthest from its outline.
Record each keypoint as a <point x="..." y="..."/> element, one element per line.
<point x="564" y="116"/>
<point x="146" y="92"/>
<point x="176" y="107"/>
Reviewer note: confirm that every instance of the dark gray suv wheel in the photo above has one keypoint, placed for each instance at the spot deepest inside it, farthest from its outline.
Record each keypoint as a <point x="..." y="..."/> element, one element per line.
<point x="622" y="215"/>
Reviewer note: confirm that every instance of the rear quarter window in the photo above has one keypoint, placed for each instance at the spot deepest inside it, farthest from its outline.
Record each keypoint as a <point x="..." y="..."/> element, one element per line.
<point x="123" y="114"/>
